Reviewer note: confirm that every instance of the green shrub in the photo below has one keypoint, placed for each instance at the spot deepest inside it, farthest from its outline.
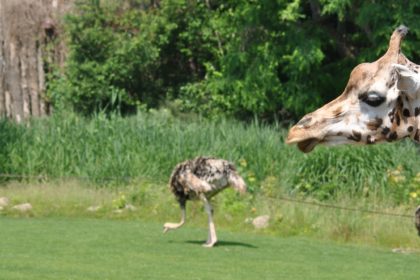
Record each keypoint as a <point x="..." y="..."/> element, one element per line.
<point x="113" y="61"/>
<point x="355" y="170"/>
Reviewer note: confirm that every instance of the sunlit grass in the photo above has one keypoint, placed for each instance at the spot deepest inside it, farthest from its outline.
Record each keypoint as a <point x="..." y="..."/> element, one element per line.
<point x="154" y="202"/>
<point x="64" y="248"/>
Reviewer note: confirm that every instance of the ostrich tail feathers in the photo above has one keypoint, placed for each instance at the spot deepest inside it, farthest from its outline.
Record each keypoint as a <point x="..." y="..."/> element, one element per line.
<point x="237" y="182"/>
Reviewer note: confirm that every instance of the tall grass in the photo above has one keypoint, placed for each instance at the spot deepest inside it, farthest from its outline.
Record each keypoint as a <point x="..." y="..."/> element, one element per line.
<point x="148" y="146"/>
<point x="141" y="146"/>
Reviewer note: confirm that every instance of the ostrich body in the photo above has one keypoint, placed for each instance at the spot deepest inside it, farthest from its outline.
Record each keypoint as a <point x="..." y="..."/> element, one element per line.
<point x="201" y="179"/>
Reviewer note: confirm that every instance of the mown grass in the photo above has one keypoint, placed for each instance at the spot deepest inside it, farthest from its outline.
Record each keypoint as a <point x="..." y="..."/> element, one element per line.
<point x="108" y="249"/>
<point x="153" y="202"/>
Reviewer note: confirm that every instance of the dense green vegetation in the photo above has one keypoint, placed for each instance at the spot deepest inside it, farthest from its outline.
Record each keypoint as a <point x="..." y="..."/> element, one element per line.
<point x="104" y="249"/>
<point x="271" y="59"/>
<point x="148" y="146"/>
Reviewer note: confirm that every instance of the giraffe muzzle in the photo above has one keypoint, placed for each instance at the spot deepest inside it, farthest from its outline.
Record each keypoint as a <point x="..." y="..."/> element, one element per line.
<point x="305" y="140"/>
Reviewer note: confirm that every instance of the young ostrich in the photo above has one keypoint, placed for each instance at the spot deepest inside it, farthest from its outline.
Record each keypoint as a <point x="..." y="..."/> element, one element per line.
<point x="202" y="178"/>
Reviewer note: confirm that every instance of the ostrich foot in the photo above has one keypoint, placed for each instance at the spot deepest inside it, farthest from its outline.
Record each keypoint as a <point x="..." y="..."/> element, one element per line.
<point x="170" y="226"/>
<point x="209" y="243"/>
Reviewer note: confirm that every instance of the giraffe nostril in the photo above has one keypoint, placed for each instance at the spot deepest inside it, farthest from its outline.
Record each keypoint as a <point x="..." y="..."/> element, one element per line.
<point x="403" y="30"/>
<point x="305" y="121"/>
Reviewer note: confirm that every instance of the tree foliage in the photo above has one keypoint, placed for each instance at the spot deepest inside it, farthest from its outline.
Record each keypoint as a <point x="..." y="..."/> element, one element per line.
<point x="114" y="58"/>
<point x="243" y="58"/>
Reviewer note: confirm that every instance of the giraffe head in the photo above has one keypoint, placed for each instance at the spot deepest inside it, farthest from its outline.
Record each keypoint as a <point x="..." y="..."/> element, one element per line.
<point x="381" y="102"/>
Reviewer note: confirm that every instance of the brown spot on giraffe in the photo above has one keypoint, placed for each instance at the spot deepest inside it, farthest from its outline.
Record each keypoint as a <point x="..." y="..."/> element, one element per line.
<point x="390" y="84"/>
<point x="356" y="136"/>
<point x="337" y="112"/>
<point x="392" y="136"/>
<point x="374" y="124"/>
<point x="417" y="135"/>
<point x="397" y="119"/>
<point x="385" y="130"/>
<point x="370" y="140"/>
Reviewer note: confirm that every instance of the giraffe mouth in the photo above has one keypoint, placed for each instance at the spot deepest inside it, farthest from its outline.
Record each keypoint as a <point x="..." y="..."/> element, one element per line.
<point x="305" y="140"/>
<point x="307" y="145"/>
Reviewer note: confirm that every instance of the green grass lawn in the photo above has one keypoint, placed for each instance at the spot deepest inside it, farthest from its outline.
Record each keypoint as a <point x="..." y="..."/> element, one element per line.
<point x="52" y="248"/>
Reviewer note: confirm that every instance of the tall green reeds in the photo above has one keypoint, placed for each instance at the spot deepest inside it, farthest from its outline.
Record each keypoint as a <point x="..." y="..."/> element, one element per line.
<point x="148" y="146"/>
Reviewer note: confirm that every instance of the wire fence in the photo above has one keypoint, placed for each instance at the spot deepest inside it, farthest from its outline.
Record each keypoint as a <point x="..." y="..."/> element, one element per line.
<point x="282" y="198"/>
<point x="68" y="177"/>
<point x="338" y="207"/>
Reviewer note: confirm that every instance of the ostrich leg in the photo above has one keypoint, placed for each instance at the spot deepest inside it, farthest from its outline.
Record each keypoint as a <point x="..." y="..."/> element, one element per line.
<point x="172" y="226"/>
<point x="212" y="238"/>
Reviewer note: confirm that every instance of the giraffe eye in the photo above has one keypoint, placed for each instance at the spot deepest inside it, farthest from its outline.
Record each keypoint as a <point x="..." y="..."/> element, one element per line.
<point x="372" y="98"/>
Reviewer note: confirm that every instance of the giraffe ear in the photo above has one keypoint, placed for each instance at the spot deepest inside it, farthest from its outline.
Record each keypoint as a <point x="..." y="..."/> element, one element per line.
<point x="408" y="81"/>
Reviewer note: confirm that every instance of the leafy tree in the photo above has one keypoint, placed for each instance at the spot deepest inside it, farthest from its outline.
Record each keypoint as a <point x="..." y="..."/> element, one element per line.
<point x="114" y="57"/>
<point x="274" y="59"/>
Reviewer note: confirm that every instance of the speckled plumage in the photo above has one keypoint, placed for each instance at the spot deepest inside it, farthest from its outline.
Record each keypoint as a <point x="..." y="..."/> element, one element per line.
<point x="203" y="175"/>
<point x="202" y="178"/>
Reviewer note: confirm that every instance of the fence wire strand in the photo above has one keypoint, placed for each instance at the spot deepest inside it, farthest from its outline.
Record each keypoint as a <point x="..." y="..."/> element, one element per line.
<point x="45" y="177"/>
<point x="332" y="206"/>
<point x="282" y="198"/>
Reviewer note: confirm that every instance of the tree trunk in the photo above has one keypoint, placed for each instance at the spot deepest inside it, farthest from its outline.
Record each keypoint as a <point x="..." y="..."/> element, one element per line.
<point x="13" y="81"/>
<point x="29" y="36"/>
<point x="2" y="65"/>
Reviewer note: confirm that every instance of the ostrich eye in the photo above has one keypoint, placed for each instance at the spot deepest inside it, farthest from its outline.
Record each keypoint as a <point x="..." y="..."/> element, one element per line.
<point x="372" y="98"/>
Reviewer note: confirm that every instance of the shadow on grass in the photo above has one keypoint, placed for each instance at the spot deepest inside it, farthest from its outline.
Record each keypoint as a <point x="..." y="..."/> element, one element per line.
<point x="224" y="243"/>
